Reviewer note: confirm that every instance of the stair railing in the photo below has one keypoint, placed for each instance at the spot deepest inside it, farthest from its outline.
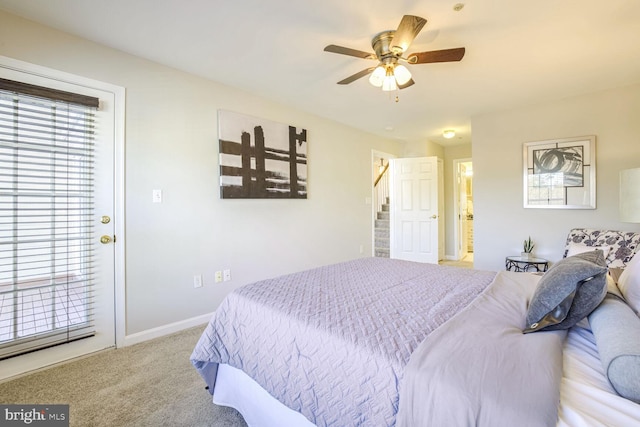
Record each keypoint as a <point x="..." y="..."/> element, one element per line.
<point x="381" y="188"/>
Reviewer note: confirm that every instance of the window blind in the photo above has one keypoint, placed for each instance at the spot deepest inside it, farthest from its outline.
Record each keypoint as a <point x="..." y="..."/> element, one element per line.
<point x="46" y="213"/>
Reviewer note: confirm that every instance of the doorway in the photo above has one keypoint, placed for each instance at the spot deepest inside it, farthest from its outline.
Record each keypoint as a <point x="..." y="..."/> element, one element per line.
<point x="62" y="281"/>
<point x="463" y="209"/>
<point x="424" y="236"/>
<point x="380" y="203"/>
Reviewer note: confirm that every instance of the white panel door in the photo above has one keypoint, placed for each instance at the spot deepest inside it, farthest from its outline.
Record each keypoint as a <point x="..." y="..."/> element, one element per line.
<point x="414" y="208"/>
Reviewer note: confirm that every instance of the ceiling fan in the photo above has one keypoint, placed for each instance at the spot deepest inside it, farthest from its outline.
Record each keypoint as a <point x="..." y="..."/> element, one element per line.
<point x="389" y="47"/>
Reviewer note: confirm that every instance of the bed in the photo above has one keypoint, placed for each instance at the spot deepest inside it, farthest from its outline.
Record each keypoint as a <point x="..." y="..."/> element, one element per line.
<point x="379" y="342"/>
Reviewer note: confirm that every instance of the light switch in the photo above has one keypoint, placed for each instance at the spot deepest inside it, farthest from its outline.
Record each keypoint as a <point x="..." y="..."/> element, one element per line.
<point x="197" y="281"/>
<point x="157" y="196"/>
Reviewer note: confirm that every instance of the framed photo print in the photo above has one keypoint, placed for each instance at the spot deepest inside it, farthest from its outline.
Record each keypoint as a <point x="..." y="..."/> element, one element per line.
<point x="560" y="173"/>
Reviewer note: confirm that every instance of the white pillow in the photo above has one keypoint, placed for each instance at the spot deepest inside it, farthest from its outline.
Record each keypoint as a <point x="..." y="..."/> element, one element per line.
<point x="629" y="283"/>
<point x="576" y="248"/>
<point x="612" y="287"/>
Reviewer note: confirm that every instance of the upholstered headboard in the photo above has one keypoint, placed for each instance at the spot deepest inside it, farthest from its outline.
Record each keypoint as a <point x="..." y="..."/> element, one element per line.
<point x="624" y="244"/>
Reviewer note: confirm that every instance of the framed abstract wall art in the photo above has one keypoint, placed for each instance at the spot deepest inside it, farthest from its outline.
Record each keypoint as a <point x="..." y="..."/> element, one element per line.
<point x="560" y="173"/>
<point x="260" y="158"/>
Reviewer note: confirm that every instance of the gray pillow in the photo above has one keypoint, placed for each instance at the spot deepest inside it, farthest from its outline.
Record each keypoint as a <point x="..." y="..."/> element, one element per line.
<point x="616" y="329"/>
<point x="571" y="289"/>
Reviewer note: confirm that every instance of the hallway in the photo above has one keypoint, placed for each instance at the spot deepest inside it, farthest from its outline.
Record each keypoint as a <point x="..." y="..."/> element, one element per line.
<point x="466" y="262"/>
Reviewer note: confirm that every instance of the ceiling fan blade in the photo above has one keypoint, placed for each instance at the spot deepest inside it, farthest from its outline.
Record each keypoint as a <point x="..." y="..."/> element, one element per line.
<point x="348" y="51"/>
<point x="406" y="85"/>
<point x="445" y="55"/>
<point x="356" y="76"/>
<point x="408" y="29"/>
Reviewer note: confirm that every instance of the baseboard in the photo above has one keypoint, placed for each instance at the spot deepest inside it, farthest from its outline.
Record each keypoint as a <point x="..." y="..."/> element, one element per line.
<point x="33" y="362"/>
<point x="161" y="331"/>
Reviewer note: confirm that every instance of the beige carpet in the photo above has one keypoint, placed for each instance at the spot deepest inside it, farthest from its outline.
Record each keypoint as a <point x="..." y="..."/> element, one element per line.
<point x="466" y="262"/>
<point x="147" y="384"/>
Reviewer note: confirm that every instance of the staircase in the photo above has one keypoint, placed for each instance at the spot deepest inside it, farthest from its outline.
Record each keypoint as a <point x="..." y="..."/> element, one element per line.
<point x="381" y="231"/>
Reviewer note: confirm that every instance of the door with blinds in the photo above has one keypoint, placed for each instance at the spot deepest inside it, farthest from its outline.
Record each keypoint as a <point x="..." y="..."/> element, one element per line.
<point x="56" y="217"/>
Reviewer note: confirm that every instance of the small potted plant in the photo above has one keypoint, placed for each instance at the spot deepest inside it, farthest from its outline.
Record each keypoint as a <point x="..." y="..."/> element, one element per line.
<point x="527" y="248"/>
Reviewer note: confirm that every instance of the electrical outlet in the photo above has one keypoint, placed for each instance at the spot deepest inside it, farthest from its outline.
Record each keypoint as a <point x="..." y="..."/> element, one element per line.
<point x="197" y="281"/>
<point x="218" y="276"/>
<point x="227" y="275"/>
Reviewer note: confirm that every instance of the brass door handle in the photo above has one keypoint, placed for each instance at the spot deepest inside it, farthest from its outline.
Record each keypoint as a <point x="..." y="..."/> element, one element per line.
<point x="434" y="216"/>
<point x="105" y="239"/>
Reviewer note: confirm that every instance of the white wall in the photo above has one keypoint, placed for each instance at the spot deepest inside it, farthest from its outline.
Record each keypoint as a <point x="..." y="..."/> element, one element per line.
<point x="500" y="221"/>
<point x="171" y="144"/>
<point x="422" y="149"/>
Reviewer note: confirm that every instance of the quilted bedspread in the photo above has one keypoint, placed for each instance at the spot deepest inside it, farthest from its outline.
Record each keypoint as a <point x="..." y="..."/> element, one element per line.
<point x="332" y="343"/>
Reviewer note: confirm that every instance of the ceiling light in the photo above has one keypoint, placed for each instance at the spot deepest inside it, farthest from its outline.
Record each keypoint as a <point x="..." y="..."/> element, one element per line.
<point x="389" y="76"/>
<point x="402" y="74"/>
<point x="449" y="133"/>
<point x="389" y="82"/>
<point x="377" y="76"/>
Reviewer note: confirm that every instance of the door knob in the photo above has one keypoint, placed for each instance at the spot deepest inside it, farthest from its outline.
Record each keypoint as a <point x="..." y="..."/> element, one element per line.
<point x="105" y="219"/>
<point x="105" y="239"/>
<point x="434" y="216"/>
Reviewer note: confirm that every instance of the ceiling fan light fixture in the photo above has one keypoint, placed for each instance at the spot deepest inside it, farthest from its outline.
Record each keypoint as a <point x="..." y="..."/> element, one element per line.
<point x="449" y="133"/>
<point x="389" y="47"/>
<point x="389" y="83"/>
<point x="402" y="74"/>
<point x="377" y="77"/>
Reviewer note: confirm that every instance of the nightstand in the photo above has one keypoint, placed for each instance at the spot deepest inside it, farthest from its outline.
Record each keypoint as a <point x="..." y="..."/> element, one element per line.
<point x="519" y="263"/>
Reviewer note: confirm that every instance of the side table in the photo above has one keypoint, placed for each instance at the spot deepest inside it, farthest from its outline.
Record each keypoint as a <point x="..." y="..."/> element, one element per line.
<point x="520" y="264"/>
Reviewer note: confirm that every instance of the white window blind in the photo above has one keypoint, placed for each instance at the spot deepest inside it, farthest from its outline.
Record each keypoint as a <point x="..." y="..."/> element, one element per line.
<point x="46" y="213"/>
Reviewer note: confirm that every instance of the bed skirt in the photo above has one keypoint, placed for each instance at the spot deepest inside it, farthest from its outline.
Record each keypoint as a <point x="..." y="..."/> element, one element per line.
<point x="237" y="390"/>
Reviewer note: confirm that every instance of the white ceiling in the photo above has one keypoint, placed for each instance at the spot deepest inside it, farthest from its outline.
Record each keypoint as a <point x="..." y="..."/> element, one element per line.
<point x="517" y="52"/>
